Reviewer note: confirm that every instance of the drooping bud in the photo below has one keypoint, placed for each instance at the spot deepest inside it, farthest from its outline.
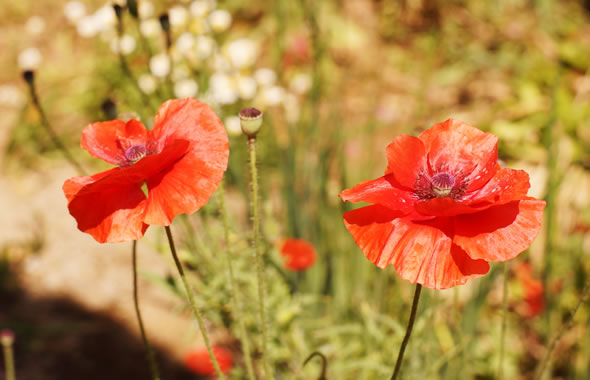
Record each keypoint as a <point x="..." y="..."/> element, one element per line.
<point x="165" y="22"/>
<point x="29" y="77"/>
<point x="118" y="11"/>
<point x="250" y="121"/>
<point x="109" y="108"/>
<point x="132" y="6"/>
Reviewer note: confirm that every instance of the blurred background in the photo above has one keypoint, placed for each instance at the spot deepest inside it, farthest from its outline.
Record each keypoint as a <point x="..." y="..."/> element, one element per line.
<point x="337" y="80"/>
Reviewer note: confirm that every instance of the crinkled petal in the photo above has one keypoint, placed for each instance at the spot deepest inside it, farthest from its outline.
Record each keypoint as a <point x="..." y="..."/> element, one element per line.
<point x="112" y="215"/>
<point x="193" y="121"/>
<point x="109" y="140"/>
<point x="184" y="187"/>
<point x="460" y="146"/>
<point x="445" y="207"/>
<point x="384" y="191"/>
<point x="406" y="156"/>
<point x="420" y="252"/>
<point x="501" y="232"/>
<point x="506" y="185"/>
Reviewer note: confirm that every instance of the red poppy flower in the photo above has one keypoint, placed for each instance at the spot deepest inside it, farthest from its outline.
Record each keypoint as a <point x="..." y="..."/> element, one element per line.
<point x="534" y="303"/>
<point x="444" y="207"/>
<point x="299" y="254"/>
<point x="199" y="362"/>
<point x="180" y="161"/>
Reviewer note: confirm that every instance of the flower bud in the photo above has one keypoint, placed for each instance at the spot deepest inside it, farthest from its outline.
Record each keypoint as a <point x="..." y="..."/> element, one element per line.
<point x="165" y="22"/>
<point x="6" y="337"/>
<point x="118" y="11"/>
<point x="132" y="6"/>
<point x="29" y="77"/>
<point x="109" y="108"/>
<point x="250" y="121"/>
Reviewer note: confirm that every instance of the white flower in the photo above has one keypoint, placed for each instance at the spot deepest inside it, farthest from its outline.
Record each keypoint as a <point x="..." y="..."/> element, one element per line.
<point x="87" y="27"/>
<point x="220" y="63"/>
<point x="265" y="77"/>
<point x="150" y="27"/>
<point x="160" y="65"/>
<point x="105" y="17"/>
<point x="204" y="46"/>
<point x="145" y="9"/>
<point x="300" y="83"/>
<point x="74" y="11"/>
<point x="199" y="8"/>
<point x="222" y="89"/>
<point x="29" y="59"/>
<point x="273" y="95"/>
<point x="220" y="20"/>
<point x="178" y="15"/>
<point x="186" y="88"/>
<point x="185" y="42"/>
<point x="10" y="96"/>
<point x="232" y="125"/>
<point x="242" y="53"/>
<point x="246" y="87"/>
<point x="35" y="25"/>
<point x="147" y="83"/>
<point x="126" y="44"/>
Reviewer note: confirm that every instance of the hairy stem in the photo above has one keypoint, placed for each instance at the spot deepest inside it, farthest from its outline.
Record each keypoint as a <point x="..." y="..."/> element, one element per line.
<point x="148" y="349"/>
<point x="503" y="323"/>
<point x="236" y="306"/>
<point x="191" y="298"/>
<point x="258" y="256"/>
<point x="400" y="356"/>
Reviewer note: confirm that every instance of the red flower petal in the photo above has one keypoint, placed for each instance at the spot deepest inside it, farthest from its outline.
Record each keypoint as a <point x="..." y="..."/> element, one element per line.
<point x="406" y="156"/>
<point x="462" y="147"/>
<point x="381" y="191"/>
<point x="109" y="140"/>
<point x="445" y="207"/>
<point x="199" y="361"/>
<point x="111" y="215"/>
<point x="501" y="232"/>
<point x="184" y="187"/>
<point x="506" y="185"/>
<point x="187" y="185"/>
<point x="420" y="252"/>
<point x="299" y="254"/>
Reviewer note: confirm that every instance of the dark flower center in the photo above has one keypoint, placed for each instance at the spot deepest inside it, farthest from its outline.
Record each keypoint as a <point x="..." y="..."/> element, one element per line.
<point x="441" y="183"/>
<point x="135" y="153"/>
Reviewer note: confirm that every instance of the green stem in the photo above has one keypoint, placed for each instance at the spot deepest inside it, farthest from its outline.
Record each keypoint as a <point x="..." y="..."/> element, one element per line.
<point x="191" y="298"/>
<point x="30" y="79"/>
<point x="566" y="326"/>
<point x="148" y="349"/>
<point x="9" y="362"/>
<point x="258" y="256"/>
<point x="237" y="309"/>
<point x="503" y="325"/>
<point x="400" y="356"/>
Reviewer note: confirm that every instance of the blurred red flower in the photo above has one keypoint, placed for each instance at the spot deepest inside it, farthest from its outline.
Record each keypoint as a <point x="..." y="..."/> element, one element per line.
<point x="180" y="161"/>
<point x="199" y="362"/>
<point x="444" y="207"/>
<point x="299" y="254"/>
<point x="534" y="302"/>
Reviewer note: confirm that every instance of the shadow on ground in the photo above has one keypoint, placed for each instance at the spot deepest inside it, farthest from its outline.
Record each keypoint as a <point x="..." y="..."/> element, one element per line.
<point x="59" y="339"/>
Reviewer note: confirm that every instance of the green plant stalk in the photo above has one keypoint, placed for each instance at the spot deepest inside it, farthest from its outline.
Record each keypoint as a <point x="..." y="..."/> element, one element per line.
<point x="258" y="256"/>
<point x="52" y="134"/>
<point x="237" y="308"/>
<point x="9" y="362"/>
<point x="400" y="355"/>
<point x="148" y="349"/>
<point x="500" y="375"/>
<point x="191" y="298"/>
<point x="566" y="326"/>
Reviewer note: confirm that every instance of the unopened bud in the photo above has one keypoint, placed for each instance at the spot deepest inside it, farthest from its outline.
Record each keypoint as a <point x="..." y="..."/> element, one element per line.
<point x="118" y="11"/>
<point x="132" y="6"/>
<point x="29" y="76"/>
<point x="6" y="337"/>
<point x="110" y="109"/>
<point x="250" y="121"/>
<point x="165" y="22"/>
